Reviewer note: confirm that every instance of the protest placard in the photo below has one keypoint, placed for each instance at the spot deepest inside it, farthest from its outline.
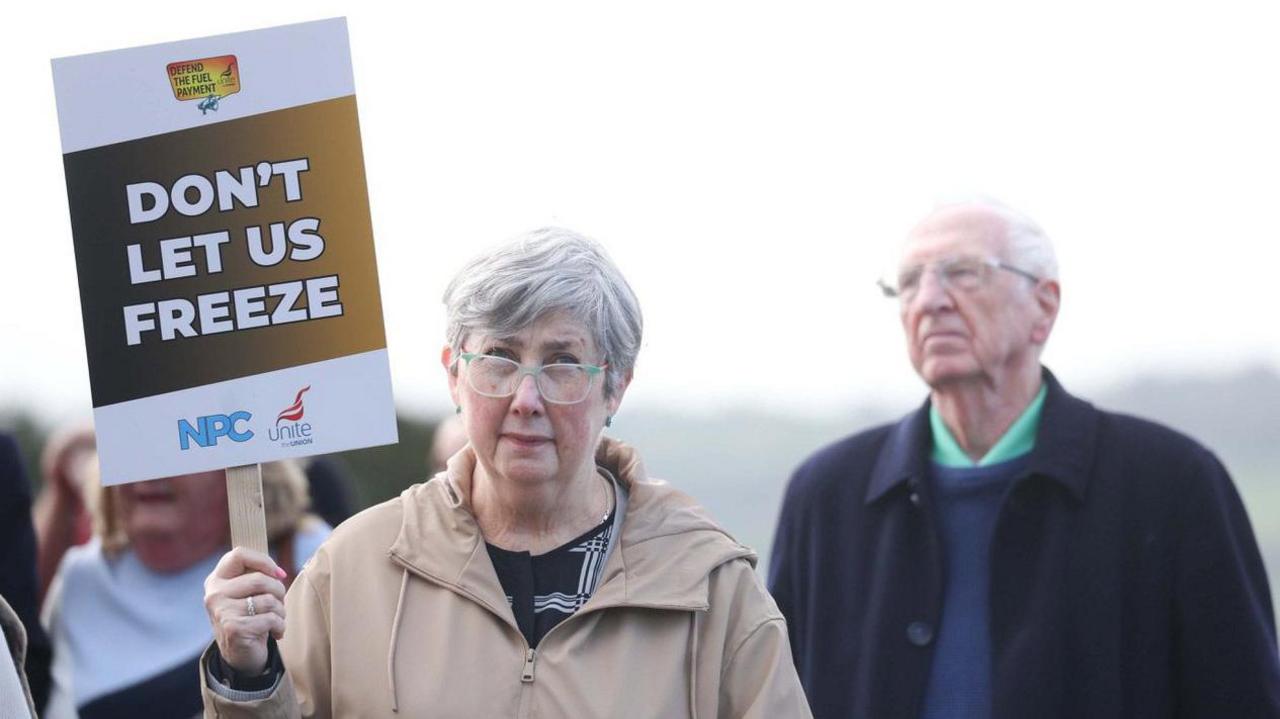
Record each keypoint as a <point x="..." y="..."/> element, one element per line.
<point x="224" y="251"/>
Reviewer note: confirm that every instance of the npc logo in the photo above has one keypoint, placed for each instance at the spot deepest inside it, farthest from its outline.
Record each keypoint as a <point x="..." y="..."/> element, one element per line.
<point x="209" y="429"/>
<point x="208" y="80"/>
<point x="290" y="430"/>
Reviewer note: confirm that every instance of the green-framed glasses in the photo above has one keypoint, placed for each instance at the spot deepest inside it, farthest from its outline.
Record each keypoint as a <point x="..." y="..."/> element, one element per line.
<point x="558" y="383"/>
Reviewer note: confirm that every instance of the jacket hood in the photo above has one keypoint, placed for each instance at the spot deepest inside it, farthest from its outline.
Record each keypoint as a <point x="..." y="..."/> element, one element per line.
<point x="666" y="550"/>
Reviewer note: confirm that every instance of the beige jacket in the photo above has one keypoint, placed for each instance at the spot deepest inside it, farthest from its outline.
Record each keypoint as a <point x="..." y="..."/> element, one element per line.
<point x="401" y="611"/>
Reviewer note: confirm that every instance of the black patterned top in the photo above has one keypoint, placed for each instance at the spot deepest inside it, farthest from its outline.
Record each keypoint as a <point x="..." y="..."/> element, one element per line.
<point x="545" y="589"/>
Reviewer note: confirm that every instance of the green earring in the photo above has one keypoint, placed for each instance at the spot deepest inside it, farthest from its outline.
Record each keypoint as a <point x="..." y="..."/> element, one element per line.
<point x="608" y="421"/>
<point x="457" y="409"/>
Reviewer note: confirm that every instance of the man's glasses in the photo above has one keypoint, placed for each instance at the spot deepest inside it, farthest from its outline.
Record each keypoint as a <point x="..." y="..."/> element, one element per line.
<point x="966" y="273"/>
<point x="558" y="383"/>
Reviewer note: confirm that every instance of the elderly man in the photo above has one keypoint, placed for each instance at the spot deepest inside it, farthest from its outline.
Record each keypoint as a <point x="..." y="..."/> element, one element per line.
<point x="1008" y="551"/>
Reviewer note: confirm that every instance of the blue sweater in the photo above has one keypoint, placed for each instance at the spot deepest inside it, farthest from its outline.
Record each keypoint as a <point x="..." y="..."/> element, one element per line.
<point x="968" y="500"/>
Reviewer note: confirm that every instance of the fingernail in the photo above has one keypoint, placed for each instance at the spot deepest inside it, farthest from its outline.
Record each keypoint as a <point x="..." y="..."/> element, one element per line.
<point x="280" y="573"/>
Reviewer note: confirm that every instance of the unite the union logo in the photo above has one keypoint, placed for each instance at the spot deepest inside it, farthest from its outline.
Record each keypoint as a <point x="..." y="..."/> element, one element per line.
<point x="290" y="430"/>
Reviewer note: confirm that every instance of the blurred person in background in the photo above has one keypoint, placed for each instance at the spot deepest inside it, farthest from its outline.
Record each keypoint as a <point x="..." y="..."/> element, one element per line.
<point x="124" y="610"/>
<point x="62" y="517"/>
<point x="542" y="573"/>
<point x="332" y="488"/>
<point x="294" y="530"/>
<point x="18" y="584"/>
<point x="1008" y="550"/>
<point x="449" y="436"/>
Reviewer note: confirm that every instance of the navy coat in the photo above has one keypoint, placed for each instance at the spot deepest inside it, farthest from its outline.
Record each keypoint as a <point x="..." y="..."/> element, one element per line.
<point x="1125" y="578"/>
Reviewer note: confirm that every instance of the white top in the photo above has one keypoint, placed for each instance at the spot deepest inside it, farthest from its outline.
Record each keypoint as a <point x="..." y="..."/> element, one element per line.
<point x="13" y="701"/>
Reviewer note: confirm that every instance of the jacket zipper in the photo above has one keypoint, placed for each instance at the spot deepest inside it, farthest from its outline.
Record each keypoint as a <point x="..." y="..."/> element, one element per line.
<point x="530" y="655"/>
<point x="526" y="683"/>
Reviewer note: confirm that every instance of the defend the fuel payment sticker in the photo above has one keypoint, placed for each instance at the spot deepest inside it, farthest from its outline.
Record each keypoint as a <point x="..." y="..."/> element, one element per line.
<point x="208" y="80"/>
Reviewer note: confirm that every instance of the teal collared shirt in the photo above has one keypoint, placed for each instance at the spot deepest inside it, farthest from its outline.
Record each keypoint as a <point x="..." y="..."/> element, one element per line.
<point x="1019" y="439"/>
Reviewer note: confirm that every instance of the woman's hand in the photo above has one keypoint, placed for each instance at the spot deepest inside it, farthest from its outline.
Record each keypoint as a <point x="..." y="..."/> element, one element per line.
<point x="245" y="600"/>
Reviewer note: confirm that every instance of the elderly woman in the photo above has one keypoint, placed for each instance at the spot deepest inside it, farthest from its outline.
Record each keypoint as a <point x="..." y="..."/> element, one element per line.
<point x="123" y="610"/>
<point x="541" y="574"/>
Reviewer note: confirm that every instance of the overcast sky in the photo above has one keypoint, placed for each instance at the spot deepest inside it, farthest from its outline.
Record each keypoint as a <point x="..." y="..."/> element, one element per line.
<point x="751" y="168"/>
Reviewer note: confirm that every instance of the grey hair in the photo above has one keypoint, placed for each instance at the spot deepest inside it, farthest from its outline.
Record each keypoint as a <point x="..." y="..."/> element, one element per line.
<point x="1029" y="247"/>
<point x="548" y="270"/>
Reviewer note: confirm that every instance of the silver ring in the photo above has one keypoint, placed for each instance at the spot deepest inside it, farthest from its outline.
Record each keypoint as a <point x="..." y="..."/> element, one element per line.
<point x="252" y="609"/>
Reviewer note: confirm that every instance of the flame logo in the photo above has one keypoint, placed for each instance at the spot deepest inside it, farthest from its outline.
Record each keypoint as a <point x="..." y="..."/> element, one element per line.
<point x="293" y="412"/>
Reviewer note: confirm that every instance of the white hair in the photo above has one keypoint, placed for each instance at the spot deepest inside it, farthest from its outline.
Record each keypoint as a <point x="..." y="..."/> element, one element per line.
<point x="1029" y="247"/>
<point x="548" y="270"/>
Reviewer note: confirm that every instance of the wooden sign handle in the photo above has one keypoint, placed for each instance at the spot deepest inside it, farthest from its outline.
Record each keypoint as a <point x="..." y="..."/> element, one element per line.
<point x="244" y="498"/>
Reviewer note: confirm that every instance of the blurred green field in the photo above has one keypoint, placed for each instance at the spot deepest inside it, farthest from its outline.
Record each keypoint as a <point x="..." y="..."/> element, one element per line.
<point x="1261" y="495"/>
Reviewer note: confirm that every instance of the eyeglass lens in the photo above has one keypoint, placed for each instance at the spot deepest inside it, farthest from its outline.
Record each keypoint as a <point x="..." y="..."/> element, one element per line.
<point x="965" y="273"/>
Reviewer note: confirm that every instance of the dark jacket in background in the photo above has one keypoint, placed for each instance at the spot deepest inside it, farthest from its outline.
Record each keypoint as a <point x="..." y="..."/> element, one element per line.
<point x="332" y="489"/>
<point x="1126" y="581"/>
<point x="18" y="565"/>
